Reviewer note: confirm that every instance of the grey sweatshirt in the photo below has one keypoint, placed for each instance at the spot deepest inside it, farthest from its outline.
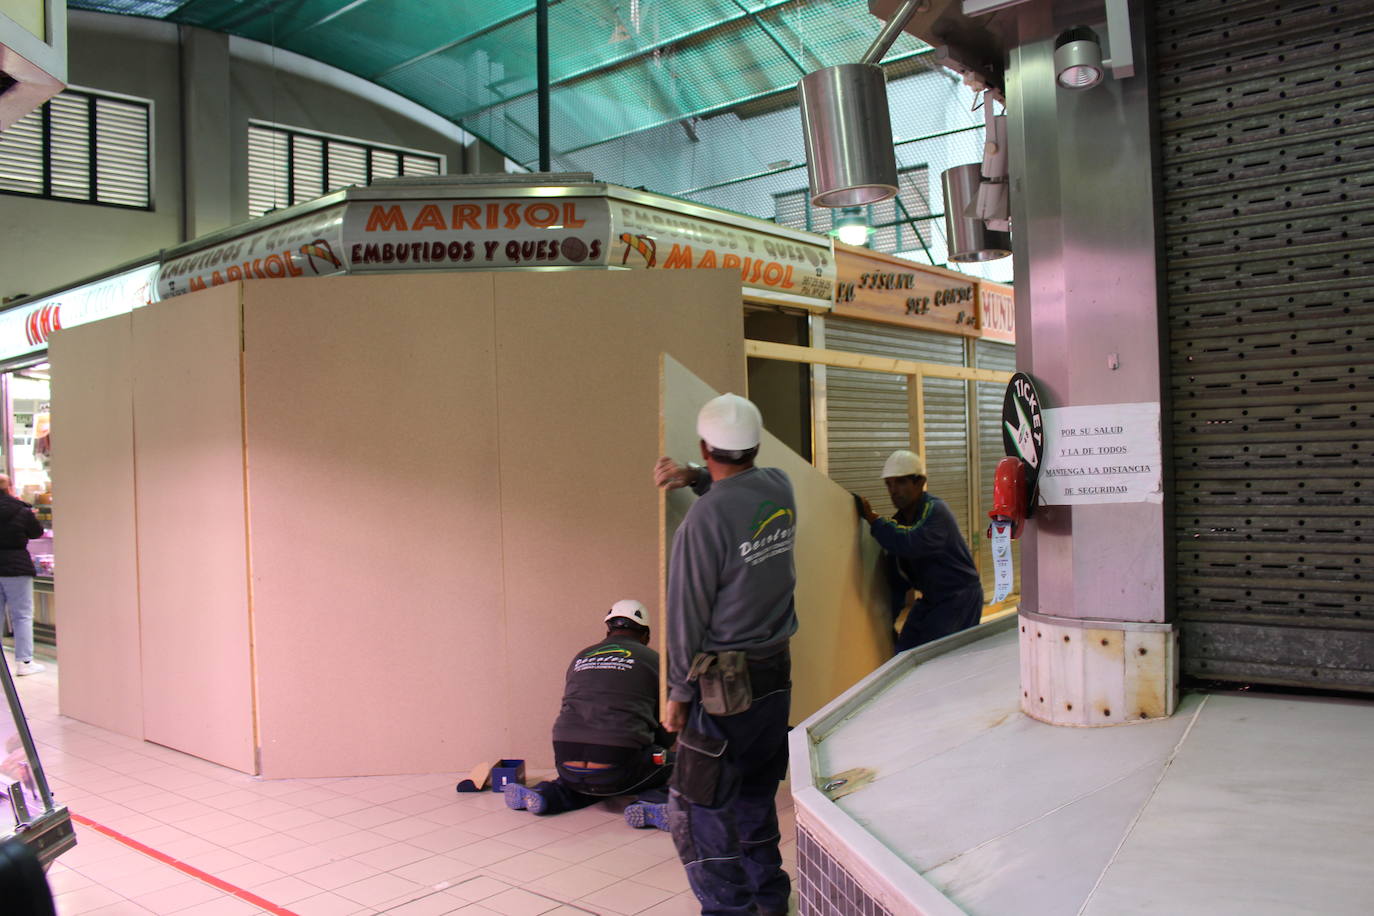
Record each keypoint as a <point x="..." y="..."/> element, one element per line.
<point x="731" y="574"/>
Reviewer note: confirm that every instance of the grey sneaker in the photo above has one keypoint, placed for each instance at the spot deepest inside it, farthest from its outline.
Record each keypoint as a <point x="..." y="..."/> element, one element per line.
<point x="29" y="667"/>
<point x="645" y="814"/>
<point x="519" y="798"/>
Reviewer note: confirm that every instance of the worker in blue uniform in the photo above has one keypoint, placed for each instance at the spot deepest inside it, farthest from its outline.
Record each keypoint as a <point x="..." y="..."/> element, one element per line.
<point x="924" y="550"/>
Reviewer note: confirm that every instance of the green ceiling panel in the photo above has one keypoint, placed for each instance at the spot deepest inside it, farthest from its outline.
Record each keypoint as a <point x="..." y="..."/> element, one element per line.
<point x="616" y="66"/>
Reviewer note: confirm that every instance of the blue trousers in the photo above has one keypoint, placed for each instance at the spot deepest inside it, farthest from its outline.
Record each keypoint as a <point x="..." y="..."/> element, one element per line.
<point x="933" y="618"/>
<point x="722" y="808"/>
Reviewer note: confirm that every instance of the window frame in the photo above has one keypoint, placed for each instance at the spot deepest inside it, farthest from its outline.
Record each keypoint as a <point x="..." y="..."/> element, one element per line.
<point x="288" y="176"/>
<point x="93" y="184"/>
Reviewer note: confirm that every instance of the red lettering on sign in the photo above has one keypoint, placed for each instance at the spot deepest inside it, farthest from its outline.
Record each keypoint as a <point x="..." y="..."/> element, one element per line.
<point x="386" y="219"/>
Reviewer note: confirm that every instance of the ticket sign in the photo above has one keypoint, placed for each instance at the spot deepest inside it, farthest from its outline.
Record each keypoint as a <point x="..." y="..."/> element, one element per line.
<point x="306" y="247"/>
<point x="479" y="233"/>
<point x="1103" y="453"/>
<point x="645" y="237"/>
<point x="897" y="291"/>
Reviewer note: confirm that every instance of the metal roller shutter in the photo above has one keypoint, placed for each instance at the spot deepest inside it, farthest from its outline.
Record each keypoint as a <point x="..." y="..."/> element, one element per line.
<point x="1267" y="135"/>
<point x="866" y="413"/>
<point x="990" y="354"/>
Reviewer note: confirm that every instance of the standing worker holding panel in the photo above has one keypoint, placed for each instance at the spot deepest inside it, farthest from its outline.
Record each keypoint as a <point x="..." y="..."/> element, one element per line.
<point x="731" y="579"/>
<point x="923" y="549"/>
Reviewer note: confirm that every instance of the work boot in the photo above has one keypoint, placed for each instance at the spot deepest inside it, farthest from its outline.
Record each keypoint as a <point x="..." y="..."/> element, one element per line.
<point x="519" y="798"/>
<point x="646" y="814"/>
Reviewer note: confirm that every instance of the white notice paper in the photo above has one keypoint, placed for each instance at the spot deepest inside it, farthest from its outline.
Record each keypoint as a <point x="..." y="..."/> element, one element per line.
<point x="1001" y="560"/>
<point x="1102" y="453"/>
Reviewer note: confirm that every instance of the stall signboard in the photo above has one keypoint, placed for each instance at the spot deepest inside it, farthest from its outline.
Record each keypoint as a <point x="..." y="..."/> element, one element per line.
<point x="772" y="266"/>
<point x="482" y="233"/>
<point x="996" y="312"/>
<point x="310" y="246"/>
<point x="26" y="329"/>
<point x="878" y="287"/>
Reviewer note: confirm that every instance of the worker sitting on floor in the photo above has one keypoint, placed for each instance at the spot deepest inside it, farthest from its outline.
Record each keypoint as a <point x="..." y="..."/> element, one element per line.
<point x="607" y="739"/>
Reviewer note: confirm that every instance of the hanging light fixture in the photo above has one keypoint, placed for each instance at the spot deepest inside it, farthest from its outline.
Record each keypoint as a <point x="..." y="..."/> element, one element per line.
<point x="851" y="226"/>
<point x="849" y="156"/>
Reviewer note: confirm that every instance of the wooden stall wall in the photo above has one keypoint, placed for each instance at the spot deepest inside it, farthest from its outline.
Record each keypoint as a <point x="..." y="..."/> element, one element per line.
<point x="390" y="520"/>
<point x="375" y="499"/>
<point x="93" y="479"/>
<point x="192" y="541"/>
<point x="844" y="631"/>
<point x="578" y="369"/>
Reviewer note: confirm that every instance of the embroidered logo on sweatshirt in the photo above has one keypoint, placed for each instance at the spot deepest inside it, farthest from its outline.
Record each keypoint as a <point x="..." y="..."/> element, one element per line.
<point x="773" y="526"/>
<point x="612" y="658"/>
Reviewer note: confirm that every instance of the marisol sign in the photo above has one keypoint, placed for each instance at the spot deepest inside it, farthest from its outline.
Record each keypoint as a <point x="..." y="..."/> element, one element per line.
<point x="444" y="234"/>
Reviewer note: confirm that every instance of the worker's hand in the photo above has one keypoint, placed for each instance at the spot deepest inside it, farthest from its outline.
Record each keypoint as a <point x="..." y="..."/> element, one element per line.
<point x="670" y="475"/>
<point x="675" y="716"/>
<point x="866" y="510"/>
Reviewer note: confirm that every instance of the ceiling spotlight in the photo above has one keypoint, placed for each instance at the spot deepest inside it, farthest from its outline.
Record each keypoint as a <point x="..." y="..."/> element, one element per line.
<point x="1078" y="58"/>
<point x="851" y="226"/>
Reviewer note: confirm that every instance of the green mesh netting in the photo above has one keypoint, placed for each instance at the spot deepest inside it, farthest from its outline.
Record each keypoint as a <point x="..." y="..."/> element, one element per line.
<point x="617" y="67"/>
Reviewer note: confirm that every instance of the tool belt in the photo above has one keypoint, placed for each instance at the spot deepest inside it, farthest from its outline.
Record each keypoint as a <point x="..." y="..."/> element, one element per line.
<point x="722" y="679"/>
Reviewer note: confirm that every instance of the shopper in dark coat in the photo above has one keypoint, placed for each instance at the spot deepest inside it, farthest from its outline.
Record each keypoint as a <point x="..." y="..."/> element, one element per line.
<point x="17" y="525"/>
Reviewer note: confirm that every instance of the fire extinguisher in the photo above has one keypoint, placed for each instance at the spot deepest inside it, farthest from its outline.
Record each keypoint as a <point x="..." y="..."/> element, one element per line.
<point x="1009" y="495"/>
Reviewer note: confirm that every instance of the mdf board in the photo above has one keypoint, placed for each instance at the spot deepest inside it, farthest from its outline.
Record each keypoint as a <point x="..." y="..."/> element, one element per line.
<point x="376" y="527"/>
<point x="578" y="369"/>
<point x="188" y="447"/>
<point x="844" y="631"/>
<point x="93" y="476"/>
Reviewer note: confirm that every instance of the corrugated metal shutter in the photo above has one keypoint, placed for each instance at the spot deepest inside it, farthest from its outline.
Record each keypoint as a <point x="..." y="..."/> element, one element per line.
<point x="122" y="174"/>
<point x="307" y="168"/>
<point x="70" y="139"/>
<point x="21" y="155"/>
<point x="347" y="165"/>
<point x="991" y="354"/>
<point x="267" y="170"/>
<point x="867" y="413"/>
<point x="1268" y="164"/>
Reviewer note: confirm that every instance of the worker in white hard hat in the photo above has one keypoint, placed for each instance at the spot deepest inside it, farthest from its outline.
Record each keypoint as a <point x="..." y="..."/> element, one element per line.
<point x="731" y="579"/>
<point x="607" y="739"/>
<point x="923" y="550"/>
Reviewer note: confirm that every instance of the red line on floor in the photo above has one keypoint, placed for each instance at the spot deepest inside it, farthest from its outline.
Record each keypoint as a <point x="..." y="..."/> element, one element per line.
<point x="184" y="867"/>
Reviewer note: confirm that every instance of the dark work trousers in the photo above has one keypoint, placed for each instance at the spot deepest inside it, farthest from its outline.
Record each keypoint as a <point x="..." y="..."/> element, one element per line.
<point x="578" y="787"/>
<point x="933" y="617"/>
<point x="722" y="808"/>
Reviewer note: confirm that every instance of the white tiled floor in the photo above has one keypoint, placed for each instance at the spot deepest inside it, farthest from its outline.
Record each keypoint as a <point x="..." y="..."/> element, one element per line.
<point x="404" y="845"/>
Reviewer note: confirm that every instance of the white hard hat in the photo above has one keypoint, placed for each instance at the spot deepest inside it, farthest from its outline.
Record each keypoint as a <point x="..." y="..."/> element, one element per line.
<point x="730" y="422"/>
<point x="904" y="463"/>
<point x="631" y="610"/>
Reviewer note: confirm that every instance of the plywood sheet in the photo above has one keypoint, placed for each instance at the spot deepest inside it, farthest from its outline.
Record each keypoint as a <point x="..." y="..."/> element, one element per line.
<point x="375" y="523"/>
<point x="93" y="479"/>
<point x="578" y="365"/>
<point x="843" y="628"/>
<point x="188" y="435"/>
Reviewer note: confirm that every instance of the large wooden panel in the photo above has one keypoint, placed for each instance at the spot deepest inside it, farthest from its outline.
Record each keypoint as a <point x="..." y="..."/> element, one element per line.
<point x="578" y="365"/>
<point x="376" y="528"/>
<point x="93" y="479"/>
<point x="844" y="631"/>
<point x="188" y="435"/>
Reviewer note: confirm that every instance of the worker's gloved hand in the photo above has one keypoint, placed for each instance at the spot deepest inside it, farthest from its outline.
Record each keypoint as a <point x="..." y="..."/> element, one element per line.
<point x="865" y="508"/>
<point x="670" y="475"/>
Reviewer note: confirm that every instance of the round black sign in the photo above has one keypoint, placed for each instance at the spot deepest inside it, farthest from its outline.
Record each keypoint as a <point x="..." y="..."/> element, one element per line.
<point x="1023" y="429"/>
